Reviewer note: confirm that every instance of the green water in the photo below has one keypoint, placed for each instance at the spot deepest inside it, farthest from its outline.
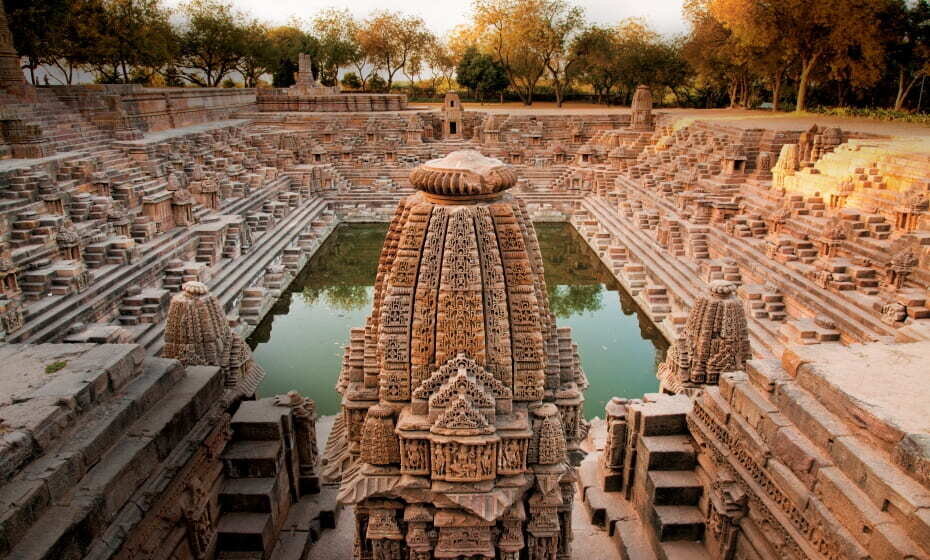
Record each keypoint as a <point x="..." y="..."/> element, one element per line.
<point x="300" y="343"/>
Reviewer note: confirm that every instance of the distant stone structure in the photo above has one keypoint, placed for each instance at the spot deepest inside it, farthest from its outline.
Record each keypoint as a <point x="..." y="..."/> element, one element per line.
<point x="12" y="80"/>
<point x="461" y="418"/>
<point x="452" y="121"/>
<point x="308" y="95"/>
<point x="304" y="82"/>
<point x="641" y="109"/>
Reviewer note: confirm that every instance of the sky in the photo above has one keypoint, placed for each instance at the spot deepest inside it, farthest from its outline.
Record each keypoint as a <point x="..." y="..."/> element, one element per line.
<point x="442" y="15"/>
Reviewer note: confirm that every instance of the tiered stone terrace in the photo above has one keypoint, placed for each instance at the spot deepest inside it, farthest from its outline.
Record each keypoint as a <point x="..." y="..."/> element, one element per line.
<point x="111" y="202"/>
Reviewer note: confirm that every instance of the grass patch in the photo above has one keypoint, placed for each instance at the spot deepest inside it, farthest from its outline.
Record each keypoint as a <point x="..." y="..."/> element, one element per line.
<point x="55" y="366"/>
<point x="877" y="114"/>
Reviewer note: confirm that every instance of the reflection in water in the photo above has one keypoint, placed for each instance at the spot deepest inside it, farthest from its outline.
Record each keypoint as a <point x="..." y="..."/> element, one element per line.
<point x="310" y="322"/>
<point x="619" y="351"/>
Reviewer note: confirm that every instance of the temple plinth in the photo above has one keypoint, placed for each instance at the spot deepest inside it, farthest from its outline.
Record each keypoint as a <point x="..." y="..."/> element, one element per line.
<point x="461" y="417"/>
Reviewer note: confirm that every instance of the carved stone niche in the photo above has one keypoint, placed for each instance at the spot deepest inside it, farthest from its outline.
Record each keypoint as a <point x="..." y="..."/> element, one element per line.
<point x="511" y="456"/>
<point x="414" y="456"/>
<point x="383" y="538"/>
<point x="419" y="519"/>
<point x="462" y="535"/>
<point x="470" y="460"/>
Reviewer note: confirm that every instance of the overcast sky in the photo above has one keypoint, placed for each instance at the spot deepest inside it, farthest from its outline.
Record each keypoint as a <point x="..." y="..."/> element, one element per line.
<point x="442" y="15"/>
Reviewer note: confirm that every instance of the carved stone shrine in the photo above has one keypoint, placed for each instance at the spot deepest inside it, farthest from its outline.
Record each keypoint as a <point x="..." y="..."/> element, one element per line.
<point x="465" y="411"/>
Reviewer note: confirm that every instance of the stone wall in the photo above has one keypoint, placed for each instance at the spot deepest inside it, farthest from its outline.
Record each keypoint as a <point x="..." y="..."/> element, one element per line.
<point x="280" y="100"/>
<point x="155" y="109"/>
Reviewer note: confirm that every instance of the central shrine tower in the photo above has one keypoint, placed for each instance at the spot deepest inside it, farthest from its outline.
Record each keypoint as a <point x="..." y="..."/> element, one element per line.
<point x="461" y="399"/>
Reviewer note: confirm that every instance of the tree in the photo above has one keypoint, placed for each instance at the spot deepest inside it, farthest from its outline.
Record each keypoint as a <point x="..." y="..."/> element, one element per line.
<point x="336" y="43"/>
<point x="907" y="29"/>
<point x="288" y="41"/>
<point x="133" y="42"/>
<point x="81" y="37"/>
<point x="442" y="60"/>
<point x="377" y="84"/>
<point x="837" y="33"/>
<point x="351" y="81"/>
<point x="359" y="58"/>
<point x="257" y="55"/>
<point x="37" y="30"/>
<point x="391" y="40"/>
<point x="513" y="30"/>
<point x="212" y="43"/>
<point x="597" y="51"/>
<point x="481" y="74"/>
<point x="720" y="61"/>
<point x="560" y="23"/>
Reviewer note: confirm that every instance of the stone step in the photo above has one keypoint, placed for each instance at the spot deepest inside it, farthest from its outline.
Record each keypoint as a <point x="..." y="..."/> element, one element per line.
<point x="125" y="454"/>
<point x="667" y="453"/>
<point x="683" y="550"/>
<point x="673" y="488"/>
<point x="252" y="459"/>
<point x="677" y="523"/>
<point x="256" y="495"/>
<point x="245" y="532"/>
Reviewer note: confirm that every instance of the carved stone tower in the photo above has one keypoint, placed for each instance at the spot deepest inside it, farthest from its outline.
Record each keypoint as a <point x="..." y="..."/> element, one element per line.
<point x="715" y="340"/>
<point x="462" y="401"/>
<point x="452" y="117"/>
<point x="641" y="109"/>
<point x="11" y="75"/>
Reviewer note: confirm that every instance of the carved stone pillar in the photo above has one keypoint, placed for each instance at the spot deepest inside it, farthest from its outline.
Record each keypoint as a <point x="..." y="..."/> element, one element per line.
<point x="615" y="447"/>
<point x="727" y="505"/>
<point x="304" y="411"/>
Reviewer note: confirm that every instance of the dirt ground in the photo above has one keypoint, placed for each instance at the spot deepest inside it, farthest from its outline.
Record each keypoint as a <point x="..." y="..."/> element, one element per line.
<point x="743" y="118"/>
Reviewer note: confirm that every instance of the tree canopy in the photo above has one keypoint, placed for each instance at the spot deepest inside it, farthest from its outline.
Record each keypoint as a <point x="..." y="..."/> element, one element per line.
<point x="737" y="53"/>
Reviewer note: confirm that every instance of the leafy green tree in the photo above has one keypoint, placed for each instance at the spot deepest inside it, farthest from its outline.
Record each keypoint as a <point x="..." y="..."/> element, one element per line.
<point x="377" y="84"/>
<point x="481" y="74"/>
<point x="597" y="50"/>
<point x="288" y="41"/>
<point x="351" y="81"/>
<point x="336" y="43"/>
<point x="37" y="30"/>
<point x="212" y="42"/>
<point x="907" y="29"/>
<point x="257" y="55"/>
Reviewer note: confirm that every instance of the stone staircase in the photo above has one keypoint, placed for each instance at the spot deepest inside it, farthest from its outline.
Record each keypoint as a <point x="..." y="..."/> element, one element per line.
<point x="665" y="462"/>
<point x="98" y="467"/>
<point x="257" y="491"/>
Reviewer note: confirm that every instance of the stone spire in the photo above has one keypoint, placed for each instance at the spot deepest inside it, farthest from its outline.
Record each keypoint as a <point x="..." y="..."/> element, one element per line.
<point x="714" y="340"/>
<point x="463" y="406"/>
<point x="197" y="334"/>
<point x="11" y="75"/>
<point x="641" y="109"/>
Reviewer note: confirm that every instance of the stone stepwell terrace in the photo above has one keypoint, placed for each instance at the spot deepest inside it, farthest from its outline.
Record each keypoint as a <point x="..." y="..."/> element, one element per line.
<point x="145" y="233"/>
